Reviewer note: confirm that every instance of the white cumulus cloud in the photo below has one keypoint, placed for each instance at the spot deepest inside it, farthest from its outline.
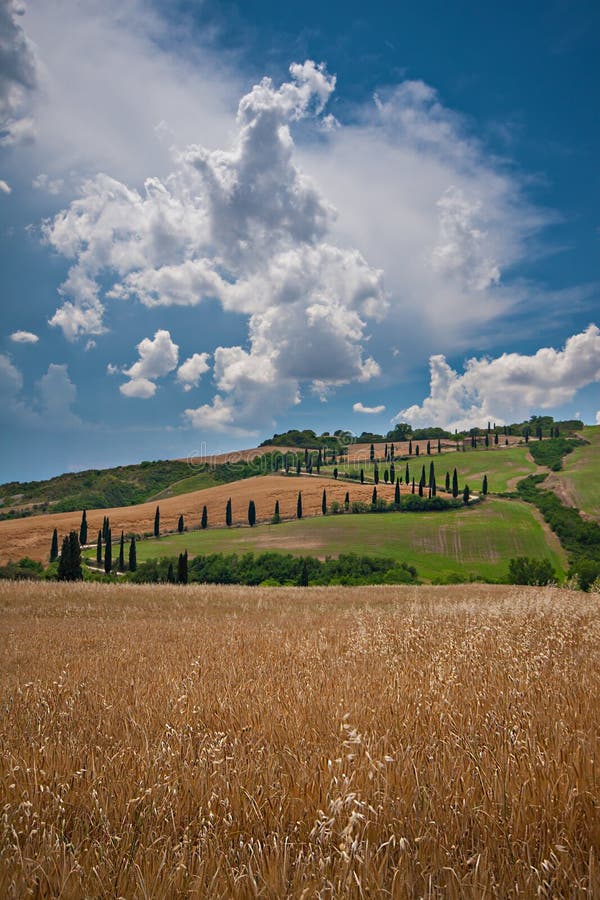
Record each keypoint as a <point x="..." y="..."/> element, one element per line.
<point x="369" y="410"/>
<point x="191" y="371"/>
<point x="598" y="417"/>
<point x="508" y="388"/>
<point x="24" y="337"/>
<point x="245" y="226"/>
<point x="157" y="357"/>
<point x="18" y="75"/>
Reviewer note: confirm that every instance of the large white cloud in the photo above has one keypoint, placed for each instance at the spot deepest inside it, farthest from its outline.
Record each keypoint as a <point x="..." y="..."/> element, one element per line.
<point x="508" y="388"/>
<point x="157" y="357"/>
<point x="247" y="227"/>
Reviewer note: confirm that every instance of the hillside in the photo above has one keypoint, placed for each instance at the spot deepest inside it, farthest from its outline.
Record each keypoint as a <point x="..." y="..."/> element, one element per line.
<point x="578" y="482"/>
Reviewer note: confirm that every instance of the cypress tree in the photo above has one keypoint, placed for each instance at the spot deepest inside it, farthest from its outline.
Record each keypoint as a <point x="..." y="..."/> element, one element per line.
<point x="376" y="473"/>
<point x="335" y="473"/>
<point x="392" y="473"/>
<point x="132" y="555"/>
<point x="392" y="452"/>
<point x="372" y="452"/>
<point x="299" y="505"/>
<point x="428" y="448"/>
<point x="54" y="546"/>
<point x="347" y="500"/>
<point x="319" y="460"/>
<point x="484" y="486"/>
<point x="99" y="549"/>
<point x="362" y="476"/>
<point x="182" y="568"/>
<point x="121" y="563"/>
<point x="276" y="517"/>
<point x="432" y="482"/>
<point x="228" y="516"/>
<point x="374" y="497"/>
<point x="455" y="483"/>
<point x="251" y="514"/>
<point x="413" y="485"/>
<point x="487" y="440"/>
<point x="104" y="528"/>
<point x="204" y="519"/>
<point x="108" y="553"/>
<point x="423" y="477"/>
<point x="157" y="522"/>
<point x="69" y="564"/>
<point x="417" y="450"/>
<point x="410" y="448"/>
<point x="303" y="579"/>
<point x="298" y="467"/>
<point x="306" y="456"/>
<point x="439" y="446"/>
<point x="180" y="525"/>
<point x="495" y="437"/>
<point x="171" y="573"/>
<point x="83" y="529"/>
<point x="397" y="493"/>
<point x="447" y="483"/>
<point x="421" y="485"/>
<point x="324" y="502"/>
<point x="407" y="475"/>
<point x="385" y="452"/>
<point x="466" y="494"/>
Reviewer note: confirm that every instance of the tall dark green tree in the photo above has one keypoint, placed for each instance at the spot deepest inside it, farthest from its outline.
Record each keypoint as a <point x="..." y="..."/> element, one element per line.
<point x="298" y="467"/>
<point x="105" y="527"/>
<point x="432" y="482"/>
<point x="417" y="450"/>
<point x="407" y="475"/>
<point x="99" y="549"/>
<point x="362" y="476"/>
<point x="180" y="525"/>
<point x="413" y="485"/>
<point x="276" y="516"/>
<point x="324" y="502"/>
<point x="171" y="573"/>
<point x="466" y="494"/>
<point x="251" y="514"/>
<point x="484" y="486"/>
<point x="487" y="439"/>
<point x="376" y="473"/>
<point x="495" y="437"/>
<point x="182" y="568"/>
<point x="69" y="564"/>
<point x="347" y="500"/>
<point x="410" y="448"/>
<point x="108" y="553"/>
<point x="303" y="579"/>
<point x="439" y="446"/>
<point x="83" y="529"/>
<point x="428" y="448"/>
<point x="204" y="519"/>
<point x="132" y="555"/>
<point x="374" y="497"/>
<point x="392" y="473"/>
<point x="121" y="562"/>
<point x="372" y="452"/>
<point x="157" y="522"/>
<point x="54" y="546"/>
<point x="299" y="505"/>
<point x="228" y="514"/>
<point x="447" y="483"/>
<point x="397" y="493"/>
<point x="455" y="483"/>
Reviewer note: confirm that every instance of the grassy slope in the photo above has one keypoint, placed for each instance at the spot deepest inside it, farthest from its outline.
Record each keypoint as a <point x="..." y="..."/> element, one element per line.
<point x="580" y="474"/>
<point x="479" y="540"/>
<point x="502" y="466"/>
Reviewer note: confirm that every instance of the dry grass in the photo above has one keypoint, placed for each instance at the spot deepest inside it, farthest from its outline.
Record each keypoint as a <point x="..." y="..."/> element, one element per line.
<point x="216" y="742"/>
<point x="32" y="536"/>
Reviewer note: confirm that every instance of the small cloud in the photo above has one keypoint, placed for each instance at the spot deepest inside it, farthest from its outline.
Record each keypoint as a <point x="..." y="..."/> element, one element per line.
<point x="395" y="351"/>
<point x="191" y="371"/>
<point x="5" y="188"/>
<point x="112" y="369"/>
<point x="50" y="185"/>
<point x="138" y="388"/>
<point x="369" y="410"/>
<point x="90" y="345"/>
<point x="24" y="337"/>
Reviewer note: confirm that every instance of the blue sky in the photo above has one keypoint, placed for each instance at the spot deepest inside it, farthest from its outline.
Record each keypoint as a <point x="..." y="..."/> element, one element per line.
<point x="400" y="224"/>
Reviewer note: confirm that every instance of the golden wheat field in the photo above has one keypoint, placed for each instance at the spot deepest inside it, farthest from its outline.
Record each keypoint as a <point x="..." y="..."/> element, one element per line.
<point x="359" y="742"/>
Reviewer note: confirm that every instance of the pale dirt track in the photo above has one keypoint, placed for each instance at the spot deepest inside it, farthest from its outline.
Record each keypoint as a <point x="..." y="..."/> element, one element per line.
<point x="32" y="536"/>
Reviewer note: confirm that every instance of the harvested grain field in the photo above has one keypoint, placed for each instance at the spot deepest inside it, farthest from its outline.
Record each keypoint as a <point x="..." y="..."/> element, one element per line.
<point x="31" y="536"/>
<point x="216" y="742"/>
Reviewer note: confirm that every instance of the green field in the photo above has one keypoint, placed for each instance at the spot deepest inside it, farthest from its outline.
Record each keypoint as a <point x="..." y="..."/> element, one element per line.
<point x="503" y="466"/>
<point x="197" y="482"/>
<point x="477" y="541"/>
<point x="580" y="473"/>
